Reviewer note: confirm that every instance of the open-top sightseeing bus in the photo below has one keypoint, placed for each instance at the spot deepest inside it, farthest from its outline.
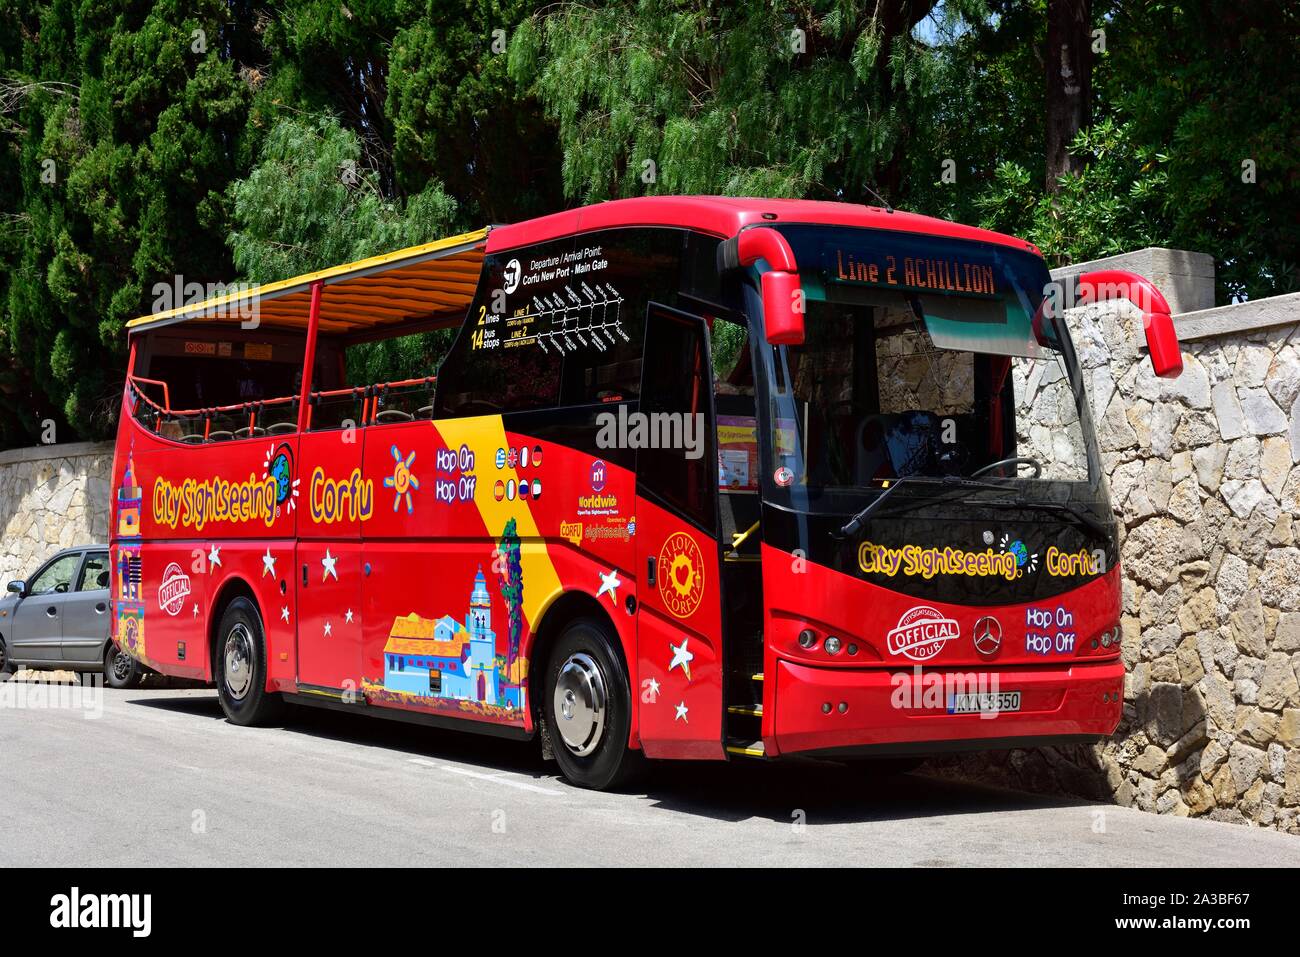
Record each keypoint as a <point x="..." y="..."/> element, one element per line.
<point x="697" y="478"/>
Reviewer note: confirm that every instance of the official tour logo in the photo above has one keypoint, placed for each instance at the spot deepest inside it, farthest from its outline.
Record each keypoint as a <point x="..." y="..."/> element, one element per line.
<point x="681" y="581"/>
<point x="921" y="634"/>
<point x="173" y="591"/>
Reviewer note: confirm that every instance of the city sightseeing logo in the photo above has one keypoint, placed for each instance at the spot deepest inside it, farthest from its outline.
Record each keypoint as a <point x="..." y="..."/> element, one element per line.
<point x="173" y="591"/>
<point x="921" y="633"/>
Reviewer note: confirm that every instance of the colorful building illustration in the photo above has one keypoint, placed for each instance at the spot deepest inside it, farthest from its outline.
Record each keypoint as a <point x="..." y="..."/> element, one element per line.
<point x="446" y="658"/>
<point x="129" y="497"/>
<point x="127" y="597"/>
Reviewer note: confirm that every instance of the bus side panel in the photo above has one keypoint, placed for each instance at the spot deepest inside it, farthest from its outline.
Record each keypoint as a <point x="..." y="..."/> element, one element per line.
<point x="443" y="626"/>
<point x="679" y="628"/>
<point x="187" y="518"/>
<point x="266" y="568"/>
<point x="175" y="601"/>
<point x="611" y="586"/>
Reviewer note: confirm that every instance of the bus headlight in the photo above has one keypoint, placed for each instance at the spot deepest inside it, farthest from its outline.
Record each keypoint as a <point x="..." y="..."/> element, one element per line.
<point x="832" y="645"/>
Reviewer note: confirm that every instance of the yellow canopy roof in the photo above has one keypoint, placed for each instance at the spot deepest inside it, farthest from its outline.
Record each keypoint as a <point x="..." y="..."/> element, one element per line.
<point x="421" y="282"/>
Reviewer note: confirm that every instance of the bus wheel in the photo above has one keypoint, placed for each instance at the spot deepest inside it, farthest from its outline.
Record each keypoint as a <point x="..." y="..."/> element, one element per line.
<point x="588" y="707"/>
<point x="120" y="669"/>
<point x="241" y="667"/>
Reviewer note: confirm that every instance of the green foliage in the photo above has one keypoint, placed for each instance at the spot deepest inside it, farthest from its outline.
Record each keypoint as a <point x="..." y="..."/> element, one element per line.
<point x="142" y="140"/>
<point x="309" y="204"/>
<point x="749" y="99"/>
<point x="118" y="145"/>
<point x="1117" y="203"/>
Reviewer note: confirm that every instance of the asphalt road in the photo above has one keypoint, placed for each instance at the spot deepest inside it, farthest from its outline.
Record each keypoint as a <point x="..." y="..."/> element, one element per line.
<point x="162" y="779"/>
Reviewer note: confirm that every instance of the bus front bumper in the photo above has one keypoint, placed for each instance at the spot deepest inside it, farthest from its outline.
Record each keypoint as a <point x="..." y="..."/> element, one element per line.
<point x="839" y="712"/>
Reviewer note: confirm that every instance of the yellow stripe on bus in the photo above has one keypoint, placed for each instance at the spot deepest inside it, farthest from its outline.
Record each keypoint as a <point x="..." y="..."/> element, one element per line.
<point x="484" y="435"/>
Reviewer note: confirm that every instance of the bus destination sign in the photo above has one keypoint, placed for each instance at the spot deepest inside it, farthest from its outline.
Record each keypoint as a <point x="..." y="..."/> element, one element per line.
<point x="950" y="275"/>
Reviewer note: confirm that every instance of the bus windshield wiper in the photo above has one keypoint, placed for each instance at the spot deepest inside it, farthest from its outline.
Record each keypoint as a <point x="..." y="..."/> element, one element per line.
<point x="854" y="524"/>
<point x="1081" y="517"/>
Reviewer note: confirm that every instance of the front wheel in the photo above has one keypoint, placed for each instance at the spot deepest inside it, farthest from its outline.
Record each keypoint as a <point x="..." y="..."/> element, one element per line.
<point x="120" y="669"/>
<point x="241" y="667"/>
<point x="588" y="705"/>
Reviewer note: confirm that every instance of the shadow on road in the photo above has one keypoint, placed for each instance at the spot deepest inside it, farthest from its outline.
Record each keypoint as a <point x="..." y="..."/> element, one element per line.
<point x="738" y="790"/>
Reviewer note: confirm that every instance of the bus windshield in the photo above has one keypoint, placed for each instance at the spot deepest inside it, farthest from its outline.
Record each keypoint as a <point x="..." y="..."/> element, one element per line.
<point x="922" y="358"/>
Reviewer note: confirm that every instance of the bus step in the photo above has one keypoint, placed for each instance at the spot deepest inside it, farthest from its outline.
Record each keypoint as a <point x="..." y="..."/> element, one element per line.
<point x="753" y="710"/>
<point x="752" y="749"/>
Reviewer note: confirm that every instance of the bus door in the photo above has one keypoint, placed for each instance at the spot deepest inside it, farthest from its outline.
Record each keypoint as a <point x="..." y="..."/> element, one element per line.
<point x="679" y="669"/>
<point x="335" y="503"/>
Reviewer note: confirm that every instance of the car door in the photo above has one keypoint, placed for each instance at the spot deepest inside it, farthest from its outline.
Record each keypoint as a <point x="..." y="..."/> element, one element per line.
<point x="38" y="616"/>
<point x="85" y="612"/>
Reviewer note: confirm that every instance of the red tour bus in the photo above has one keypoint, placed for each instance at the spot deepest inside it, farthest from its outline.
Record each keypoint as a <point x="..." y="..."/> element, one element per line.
<point x="698" y="478"/>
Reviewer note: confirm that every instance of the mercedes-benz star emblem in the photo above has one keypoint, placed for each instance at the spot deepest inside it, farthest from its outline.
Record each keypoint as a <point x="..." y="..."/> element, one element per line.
<point x="988" y="636"/>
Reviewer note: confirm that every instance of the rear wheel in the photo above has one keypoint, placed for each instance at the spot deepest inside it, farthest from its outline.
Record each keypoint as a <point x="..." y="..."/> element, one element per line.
<point x="120" y="669"/>
<point x="241" y="667"/>
<point x="588" y="705"/>
<point x="6" y="666"/>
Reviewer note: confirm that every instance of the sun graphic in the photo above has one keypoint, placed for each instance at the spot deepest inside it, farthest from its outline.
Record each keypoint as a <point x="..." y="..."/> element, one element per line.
<point x="403" y="480"/>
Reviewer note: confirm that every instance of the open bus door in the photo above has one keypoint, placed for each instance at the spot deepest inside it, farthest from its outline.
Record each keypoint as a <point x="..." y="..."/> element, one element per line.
<point x="679" y="629"/>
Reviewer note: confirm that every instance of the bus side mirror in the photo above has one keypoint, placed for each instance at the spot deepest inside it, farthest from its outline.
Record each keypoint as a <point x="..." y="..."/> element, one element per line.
<point x="782" y="308"/>
<point x="782" y="291"/>
<point x="1162" y="339"/>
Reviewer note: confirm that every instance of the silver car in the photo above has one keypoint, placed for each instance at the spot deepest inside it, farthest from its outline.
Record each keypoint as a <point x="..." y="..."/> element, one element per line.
<point x="59" y="619"/>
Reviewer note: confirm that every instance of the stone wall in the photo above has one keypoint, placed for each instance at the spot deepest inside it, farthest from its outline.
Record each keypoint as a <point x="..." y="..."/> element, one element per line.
<point x="51" y="497"/>
<point x="1204" y="479"/>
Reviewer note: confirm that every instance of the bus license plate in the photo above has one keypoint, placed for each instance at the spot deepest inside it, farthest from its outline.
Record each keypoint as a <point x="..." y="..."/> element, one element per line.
<point x="984" y="703"/>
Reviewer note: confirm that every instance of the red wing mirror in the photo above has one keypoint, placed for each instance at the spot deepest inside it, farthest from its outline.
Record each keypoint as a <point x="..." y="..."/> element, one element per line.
<point x="782" y="291"/>
<point x="1162" y="339"/>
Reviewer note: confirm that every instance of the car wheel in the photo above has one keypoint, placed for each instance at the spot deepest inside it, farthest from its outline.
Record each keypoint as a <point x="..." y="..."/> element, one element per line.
<point x="6" y="666"/>
<point x="241" y="667"/>
<point x="120" y="669"/>
<point x="588" y="707"/>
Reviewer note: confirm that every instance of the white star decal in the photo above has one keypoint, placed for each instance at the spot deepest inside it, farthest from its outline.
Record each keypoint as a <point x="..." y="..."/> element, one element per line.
<point x="328" y="563"/>
<point x="268" y="564"/>
<point x="284" y="613"/>
<point x="654" y="689"/>
<point x="681" y="712"/>
<point x="327" y="629"/>
<point x="348" y="616"/>
<point x="214" y="557"/>
<point x="681" y="657"/>
<point x="196" y="609"/>
<point x="609" y="583"/>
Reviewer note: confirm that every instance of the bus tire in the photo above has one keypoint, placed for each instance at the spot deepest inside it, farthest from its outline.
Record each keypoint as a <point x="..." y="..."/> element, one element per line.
<point x="120" y="669"/>
<point x="240" y="667"/>
<point x="588" y="707"/>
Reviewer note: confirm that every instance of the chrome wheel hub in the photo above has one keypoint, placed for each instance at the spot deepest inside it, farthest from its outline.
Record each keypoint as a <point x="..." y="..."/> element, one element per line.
<point x="580" y="704"/>
<point x="238" y="673"/>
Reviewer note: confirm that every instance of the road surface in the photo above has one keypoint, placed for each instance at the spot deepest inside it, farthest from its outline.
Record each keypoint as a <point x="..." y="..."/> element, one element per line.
<point x="160" y="778"/>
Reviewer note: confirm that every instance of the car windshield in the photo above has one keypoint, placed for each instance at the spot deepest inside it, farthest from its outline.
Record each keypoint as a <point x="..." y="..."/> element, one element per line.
<point x="923" y="358"/>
